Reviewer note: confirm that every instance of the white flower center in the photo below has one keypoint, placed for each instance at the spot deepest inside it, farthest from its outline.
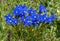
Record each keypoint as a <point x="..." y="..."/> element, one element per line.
<point x="16" y="12"/>
<point x="15" y="21"/>
<point x="9" y="17"/>
<point x="10" y="21"/>
<point x="31" y="12"/>
<point x="44" y="18"/>
<point x="28" y="21"/>
<point x="34" y="16"/>
<point x="24" y="19"/>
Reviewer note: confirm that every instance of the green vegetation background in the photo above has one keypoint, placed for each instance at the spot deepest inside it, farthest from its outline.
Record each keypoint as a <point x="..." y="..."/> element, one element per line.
<point x="20" y="33"/>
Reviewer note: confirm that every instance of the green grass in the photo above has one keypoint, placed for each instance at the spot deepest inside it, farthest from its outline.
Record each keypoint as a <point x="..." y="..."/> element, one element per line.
<point x="43" y="32"/>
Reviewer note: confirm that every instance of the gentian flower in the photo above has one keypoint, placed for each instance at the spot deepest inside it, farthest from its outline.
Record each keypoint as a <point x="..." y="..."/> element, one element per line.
<point x="10" y="19"/>
<point x="29" y="16"/>
<point x="14" y="21"/>
<point x="34" y="17"/>
<point x="16" y="10"/>
<point x="51" y="18"/>
<point x="20" y="10"/>
<point x="35" y="23"/>
<point x="43" y="18"/>
<point x="42" y="8"/>
<point x="38" y="17"/>
<point x="27" y="21"/>
<point x="22" y="18"/>
<point x="48" y="20"/>
<point x="31" y="11"/>
<point x="24" y="10"/>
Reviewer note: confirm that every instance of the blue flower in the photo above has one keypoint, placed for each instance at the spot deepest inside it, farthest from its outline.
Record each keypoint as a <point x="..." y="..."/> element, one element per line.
<point x="35" y="23"/>
<point x="43" y="18"/>
<point x="10" y="20"/>
<point x="42" y="8"/>
<point x="38" y="17"/>
<point x="22" y="18"/>
<point x="16" y="10"/>
<point x="48" y="20"/>
<point x="33" y="17"/>
<point x="14" y="21"/>
<point x="53" y="16"/>
<point x="24" y="9"/>
<point x="27" y="22"/>
<point x="29" y="16"/>
<point x="20" y="10"/>
<point x="31" y="11"/>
